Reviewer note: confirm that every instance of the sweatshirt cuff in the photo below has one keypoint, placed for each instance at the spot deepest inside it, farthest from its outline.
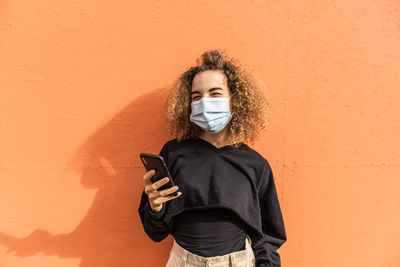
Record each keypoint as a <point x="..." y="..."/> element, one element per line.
<point x="156" y="215"/>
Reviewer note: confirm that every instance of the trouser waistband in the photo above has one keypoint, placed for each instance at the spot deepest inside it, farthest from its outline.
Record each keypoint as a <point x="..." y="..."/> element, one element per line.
<point x="196" y="259"/>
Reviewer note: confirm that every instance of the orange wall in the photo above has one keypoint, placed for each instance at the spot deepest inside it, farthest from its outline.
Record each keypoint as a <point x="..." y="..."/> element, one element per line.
<point x="82" y="84"/>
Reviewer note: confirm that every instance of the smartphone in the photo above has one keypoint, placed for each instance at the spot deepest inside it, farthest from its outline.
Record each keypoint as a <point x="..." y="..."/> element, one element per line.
<point x="157" y="163"/>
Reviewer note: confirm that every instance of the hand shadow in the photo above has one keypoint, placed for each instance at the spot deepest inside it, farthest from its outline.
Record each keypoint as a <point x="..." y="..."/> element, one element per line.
<point x="111" y="233"/>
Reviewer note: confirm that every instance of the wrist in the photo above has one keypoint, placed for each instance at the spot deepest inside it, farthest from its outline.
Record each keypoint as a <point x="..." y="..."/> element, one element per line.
<point x="156" y="209"/>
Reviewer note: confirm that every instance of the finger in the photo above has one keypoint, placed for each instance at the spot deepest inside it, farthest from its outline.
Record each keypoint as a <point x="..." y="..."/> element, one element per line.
<point x="168" y="191"/>
<point x="173" y="197"/>
<point x="147" y="176"/>
<point x="157" y="199"/>
<point x="154" y="194"/>
<point x="154" y="186"/>
<point x="160" y="183"/>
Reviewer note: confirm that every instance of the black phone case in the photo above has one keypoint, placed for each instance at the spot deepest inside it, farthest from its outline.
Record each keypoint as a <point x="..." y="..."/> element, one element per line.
<point x="156" y="162"/>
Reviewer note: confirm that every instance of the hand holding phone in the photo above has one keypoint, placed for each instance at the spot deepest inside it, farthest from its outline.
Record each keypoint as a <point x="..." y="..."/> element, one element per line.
<point x="158" y="183"/>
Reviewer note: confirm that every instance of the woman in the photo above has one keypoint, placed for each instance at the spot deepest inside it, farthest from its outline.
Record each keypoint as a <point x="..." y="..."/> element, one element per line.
<point x="227" y="211"/>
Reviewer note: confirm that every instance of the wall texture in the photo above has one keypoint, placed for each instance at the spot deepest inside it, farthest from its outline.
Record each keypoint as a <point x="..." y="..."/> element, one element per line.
<point x="82" y="85"/>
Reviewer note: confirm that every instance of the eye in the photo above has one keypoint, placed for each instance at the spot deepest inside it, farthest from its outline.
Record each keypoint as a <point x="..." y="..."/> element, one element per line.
<point x="216" y="94"/>
<point x="196" y="97"/>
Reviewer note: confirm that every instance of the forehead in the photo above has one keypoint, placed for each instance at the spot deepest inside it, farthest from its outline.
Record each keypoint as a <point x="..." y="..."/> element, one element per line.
<point x="208" y="79"/>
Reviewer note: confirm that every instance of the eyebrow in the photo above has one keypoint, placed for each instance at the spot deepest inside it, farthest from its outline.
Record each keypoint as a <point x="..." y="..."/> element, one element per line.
<point x="211" y="89"/>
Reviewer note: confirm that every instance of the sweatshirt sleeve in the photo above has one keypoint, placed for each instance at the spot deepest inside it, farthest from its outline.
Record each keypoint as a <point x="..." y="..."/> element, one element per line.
<point x="273" y="228"/>
<point x="152" y="222"/>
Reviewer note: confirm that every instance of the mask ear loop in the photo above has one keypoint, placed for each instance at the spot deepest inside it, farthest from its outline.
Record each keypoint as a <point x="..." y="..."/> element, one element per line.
<point x="229" y="98"/>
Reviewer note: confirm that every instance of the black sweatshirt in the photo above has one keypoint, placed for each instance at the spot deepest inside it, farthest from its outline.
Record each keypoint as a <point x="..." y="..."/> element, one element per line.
<point x="237" y="179"/>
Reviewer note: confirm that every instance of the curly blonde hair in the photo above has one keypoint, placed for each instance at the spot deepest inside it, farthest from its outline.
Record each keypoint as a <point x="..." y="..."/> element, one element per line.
<point x="250" y="107"/>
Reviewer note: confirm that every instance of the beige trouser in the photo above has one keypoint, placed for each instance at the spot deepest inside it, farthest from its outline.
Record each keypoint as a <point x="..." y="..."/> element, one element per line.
<point x="180" y="257"/>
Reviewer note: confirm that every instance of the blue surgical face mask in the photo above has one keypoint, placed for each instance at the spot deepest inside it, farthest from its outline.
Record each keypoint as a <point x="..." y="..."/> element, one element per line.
<point x="211" y="113"/>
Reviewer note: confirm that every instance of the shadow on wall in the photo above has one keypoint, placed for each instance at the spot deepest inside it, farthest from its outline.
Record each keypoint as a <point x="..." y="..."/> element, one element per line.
<point x="111" y="233"/>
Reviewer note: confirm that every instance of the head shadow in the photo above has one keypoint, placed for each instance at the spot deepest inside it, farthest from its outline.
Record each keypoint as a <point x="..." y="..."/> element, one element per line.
<point x="111" y="233"/>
